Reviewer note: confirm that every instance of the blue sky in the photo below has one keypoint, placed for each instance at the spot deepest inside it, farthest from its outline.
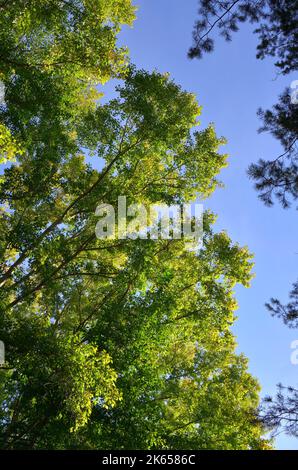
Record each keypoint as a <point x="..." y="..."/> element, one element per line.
<point x="231" y="84"/>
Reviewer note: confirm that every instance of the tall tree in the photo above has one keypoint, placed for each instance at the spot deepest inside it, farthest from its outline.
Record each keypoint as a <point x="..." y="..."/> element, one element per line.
<point x="110" y="343"/>
<point x="159" y="312"/>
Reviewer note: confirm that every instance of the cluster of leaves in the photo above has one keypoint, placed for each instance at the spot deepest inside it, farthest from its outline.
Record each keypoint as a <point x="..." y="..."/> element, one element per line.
<point x="76" y="36"/>
<point x="112" y="344"/>
<point x="8" y="145"/>
<point x="278" y="178"/>
<point x="277" y="27"/>
<point x="282" y="411"/>
<point x="288" y="313"/>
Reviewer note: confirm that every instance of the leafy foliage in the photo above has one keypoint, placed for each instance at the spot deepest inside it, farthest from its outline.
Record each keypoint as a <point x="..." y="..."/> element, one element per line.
<point x="110" y="343"/>
<point x="77" y="36"/>
<point x="288" y="313"/>
<point x="282" y="411"/>
<point x="279" y="177"/>
<point x="277" y="27"/>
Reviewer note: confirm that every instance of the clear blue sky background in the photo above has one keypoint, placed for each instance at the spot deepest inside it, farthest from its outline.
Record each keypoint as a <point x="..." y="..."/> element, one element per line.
<point x="231" y="84"/>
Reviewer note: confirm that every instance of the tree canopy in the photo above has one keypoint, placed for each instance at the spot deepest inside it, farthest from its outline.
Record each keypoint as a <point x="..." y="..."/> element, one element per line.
<point x="110" y="344"/>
